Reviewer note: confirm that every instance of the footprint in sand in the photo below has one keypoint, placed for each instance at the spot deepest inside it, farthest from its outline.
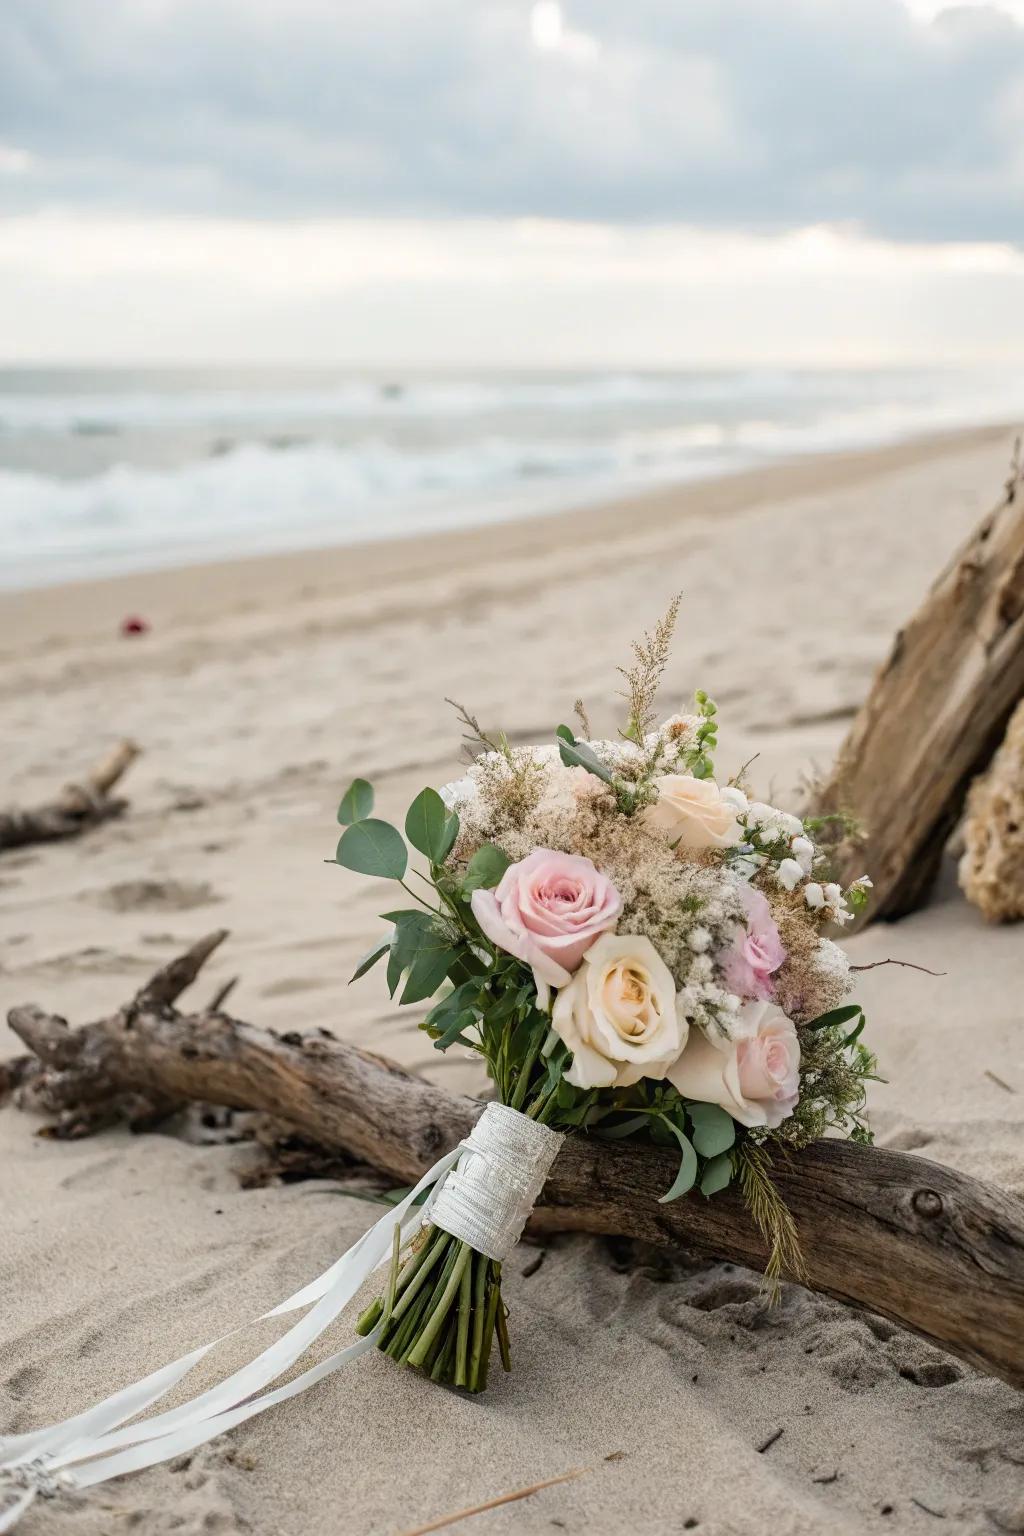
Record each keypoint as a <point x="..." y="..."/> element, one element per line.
<point x="154" y="896"/>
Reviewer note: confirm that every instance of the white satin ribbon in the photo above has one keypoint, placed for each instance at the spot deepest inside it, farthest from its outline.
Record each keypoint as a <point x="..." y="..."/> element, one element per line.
<point x="506" y="1159"/>
<point x="93" y="1446"/>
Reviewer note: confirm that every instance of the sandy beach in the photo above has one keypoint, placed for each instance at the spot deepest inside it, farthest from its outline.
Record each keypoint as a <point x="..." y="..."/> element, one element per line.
<point x="262" y="687"/>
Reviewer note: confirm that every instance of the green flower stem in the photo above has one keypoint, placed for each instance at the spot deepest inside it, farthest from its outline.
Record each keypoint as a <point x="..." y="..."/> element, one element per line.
<point x="480" y="1267"/>
<point x="502" y="1326"/>
<point x="423" y="1307"/>
<point x="440" y="1312"/>
<point x="402" y="1335"/>
<point x="369" y="1319"/>
<point x="443" y="1361"/>
<point x="389" y="1301"/>
<point x="523" y="1081"/>
<point x="541" y="1104"/>
<point x="493" y="1303"/>
<point x="464" y="1319"/>
<point x="428" y="1259"/>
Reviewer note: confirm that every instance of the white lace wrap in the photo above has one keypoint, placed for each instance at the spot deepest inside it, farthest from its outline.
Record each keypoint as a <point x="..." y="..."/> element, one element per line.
<point x="488" y="1196"/>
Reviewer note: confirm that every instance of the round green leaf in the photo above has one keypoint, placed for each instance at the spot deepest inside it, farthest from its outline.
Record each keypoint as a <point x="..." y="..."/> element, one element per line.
<point x="425" y="825"/>
<point x="373" y="848"/>
<point x="356" y="802"/>
<point x="714" y="1130"/>
<point x="717" y="1174"/>
<point x="485" y="868"/>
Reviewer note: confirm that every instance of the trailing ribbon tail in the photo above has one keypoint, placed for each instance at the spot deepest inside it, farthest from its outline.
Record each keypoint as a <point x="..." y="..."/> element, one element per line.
<point x="100" y="1443"/>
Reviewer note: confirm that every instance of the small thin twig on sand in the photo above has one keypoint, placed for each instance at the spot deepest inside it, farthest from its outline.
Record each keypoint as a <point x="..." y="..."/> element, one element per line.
<point x="503" y="1498"/>
<point x="999" y="1081"/>
<point x="907" y="964"/>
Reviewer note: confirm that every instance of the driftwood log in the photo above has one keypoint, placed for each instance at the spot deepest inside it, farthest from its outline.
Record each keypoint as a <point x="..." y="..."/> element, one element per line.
<point x="77" y="807"/>
<point x="936" y="713"/>
<point x="934" y="1250"/>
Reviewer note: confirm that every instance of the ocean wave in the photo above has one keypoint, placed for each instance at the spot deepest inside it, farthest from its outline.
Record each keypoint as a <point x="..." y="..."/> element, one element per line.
<point x="164" y="401"/>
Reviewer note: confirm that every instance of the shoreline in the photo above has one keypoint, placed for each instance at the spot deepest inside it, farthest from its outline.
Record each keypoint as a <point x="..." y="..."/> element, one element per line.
<point x="176" y="593"/>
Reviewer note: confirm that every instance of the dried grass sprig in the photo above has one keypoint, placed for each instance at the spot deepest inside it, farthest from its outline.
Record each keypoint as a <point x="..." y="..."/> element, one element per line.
<point x="643" y="678"/>
<point x="772" y="1217"/>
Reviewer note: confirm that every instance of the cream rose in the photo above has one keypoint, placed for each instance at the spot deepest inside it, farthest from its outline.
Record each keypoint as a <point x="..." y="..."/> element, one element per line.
<point x="755" y="1076"/>
<point x="694" y="813"/>
<point x="618" y="1015"/>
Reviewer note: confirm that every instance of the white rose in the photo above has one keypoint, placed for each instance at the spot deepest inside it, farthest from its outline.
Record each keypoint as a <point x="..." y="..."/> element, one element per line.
<point x="693" y="813"/>
<point x="619" y="1015"/>
<point x="754" y="1076"/>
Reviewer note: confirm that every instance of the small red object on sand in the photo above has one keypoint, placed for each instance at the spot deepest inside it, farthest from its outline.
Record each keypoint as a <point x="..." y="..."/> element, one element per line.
<point x="134" y="624"/>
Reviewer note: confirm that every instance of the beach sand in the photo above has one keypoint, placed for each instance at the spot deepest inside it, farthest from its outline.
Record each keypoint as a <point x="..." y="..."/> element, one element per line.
<point x="263" y="687"/>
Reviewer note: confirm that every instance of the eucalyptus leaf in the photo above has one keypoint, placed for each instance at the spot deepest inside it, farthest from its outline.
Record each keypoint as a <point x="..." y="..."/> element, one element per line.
<point x="485" y="868"/>
<point x="714" y="1130"/>
<point x="578" y="754"/>
<point x="373" y="847"/>
<point x="717" y="1174"/>
<point x="625" y="1128"/>
<point x="425" y="824"/>
<point x="370" y="959"/>
<point x="451" y="832"/>
<point x="356" y="803"/>
<point x="687" y="1175"/>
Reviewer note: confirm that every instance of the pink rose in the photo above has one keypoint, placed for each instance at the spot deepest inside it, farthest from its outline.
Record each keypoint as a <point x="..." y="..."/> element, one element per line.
<point x="547" y="911"/>
<point x="757" y="953"/>
<point x="754" y="1077"/>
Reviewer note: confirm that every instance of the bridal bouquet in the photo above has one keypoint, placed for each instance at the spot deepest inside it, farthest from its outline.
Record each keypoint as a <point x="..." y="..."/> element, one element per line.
<point x="634" y="948"/>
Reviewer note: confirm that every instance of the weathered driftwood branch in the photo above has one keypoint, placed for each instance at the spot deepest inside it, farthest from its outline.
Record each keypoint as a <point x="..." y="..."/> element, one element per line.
<point x="934" y="1250"/>
<point x="936" y="713"/>
<point x="77" y="807"/>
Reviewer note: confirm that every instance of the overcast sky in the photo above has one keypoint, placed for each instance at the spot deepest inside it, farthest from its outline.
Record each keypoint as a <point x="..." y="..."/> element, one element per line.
<point x="511" y="180"/>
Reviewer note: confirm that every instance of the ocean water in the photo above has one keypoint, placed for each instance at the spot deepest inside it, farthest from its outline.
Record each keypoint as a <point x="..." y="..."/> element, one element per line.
<point x="104" y="471"/>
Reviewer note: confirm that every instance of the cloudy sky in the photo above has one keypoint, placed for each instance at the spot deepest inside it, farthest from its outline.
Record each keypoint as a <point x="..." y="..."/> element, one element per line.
<point x="513" y="181"/>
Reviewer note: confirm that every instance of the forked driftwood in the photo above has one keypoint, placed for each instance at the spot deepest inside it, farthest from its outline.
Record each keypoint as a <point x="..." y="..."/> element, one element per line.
<point x="77" y="807"/>
<point x="936" y="713"/>
<point x="932" y="1249"/>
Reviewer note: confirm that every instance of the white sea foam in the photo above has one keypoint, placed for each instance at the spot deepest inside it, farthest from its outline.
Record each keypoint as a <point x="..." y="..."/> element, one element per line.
<point x="99" y="473"/>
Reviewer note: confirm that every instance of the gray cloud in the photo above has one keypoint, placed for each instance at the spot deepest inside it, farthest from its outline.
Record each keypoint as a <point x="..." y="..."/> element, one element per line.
<point x="733" y="113"/>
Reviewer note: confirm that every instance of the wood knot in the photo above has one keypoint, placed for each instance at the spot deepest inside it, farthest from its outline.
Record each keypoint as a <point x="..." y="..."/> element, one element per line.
<point x="927" y="1203"/>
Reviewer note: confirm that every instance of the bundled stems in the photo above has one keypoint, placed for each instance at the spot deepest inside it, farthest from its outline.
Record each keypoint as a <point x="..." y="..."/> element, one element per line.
<point x="441" y="1311"/>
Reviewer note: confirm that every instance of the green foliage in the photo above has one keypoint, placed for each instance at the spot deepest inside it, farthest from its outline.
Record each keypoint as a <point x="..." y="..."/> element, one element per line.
<point x="835" y="1069"/>
<point x="373" y="847"/>
<point x="579" y="754"/>
<point x="370" y="959"/>
<point x="835" y="1016"/>
<point x="714" y="1131"/>
<point x="426" y="826"/>
<point x="485" y="868"/>
<point x="687" y="1175"/>
<point x="356" y="802"/>
<point x="717" y="1175"/>
<point x="698" y="758"/>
